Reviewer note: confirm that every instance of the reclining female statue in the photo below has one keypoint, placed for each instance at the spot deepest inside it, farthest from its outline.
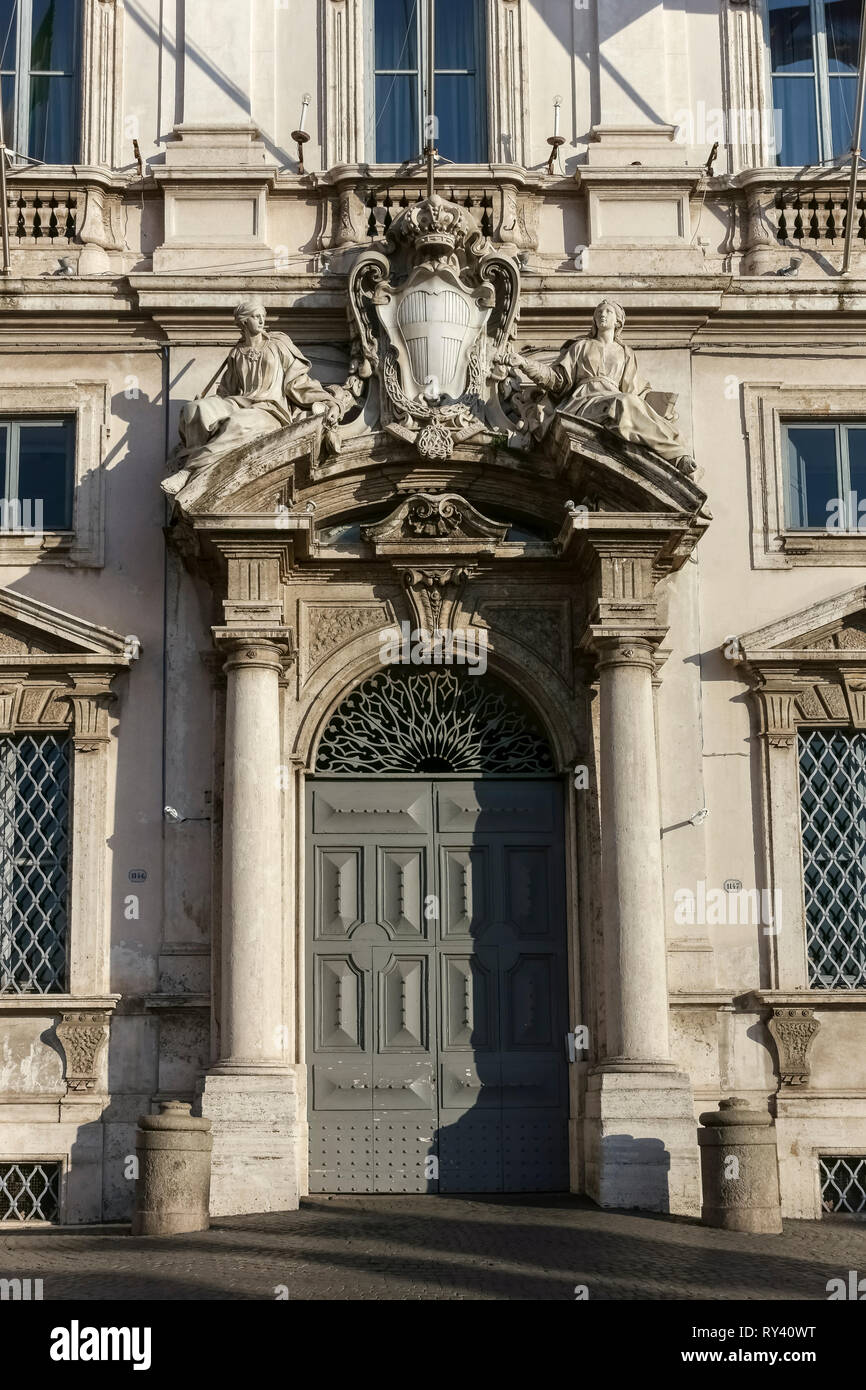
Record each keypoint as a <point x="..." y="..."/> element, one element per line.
<point x="266" y="385"/>
<point x="596" y="378"/>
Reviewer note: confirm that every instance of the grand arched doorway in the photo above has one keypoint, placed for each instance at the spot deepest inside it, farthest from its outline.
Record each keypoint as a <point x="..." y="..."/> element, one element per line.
<point x="436" y="958"/>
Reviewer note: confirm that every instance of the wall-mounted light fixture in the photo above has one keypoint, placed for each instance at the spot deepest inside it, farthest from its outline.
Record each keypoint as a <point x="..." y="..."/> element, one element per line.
<point x="301" y="136"/>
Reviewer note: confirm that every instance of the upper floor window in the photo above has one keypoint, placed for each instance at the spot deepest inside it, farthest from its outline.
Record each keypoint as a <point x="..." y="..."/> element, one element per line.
<point x="825" y="475"/>
<point x="39" y="78"/>
<point x="37" y="456"/>
<point x="400" y="41"/>
<point x="813" y="57"/>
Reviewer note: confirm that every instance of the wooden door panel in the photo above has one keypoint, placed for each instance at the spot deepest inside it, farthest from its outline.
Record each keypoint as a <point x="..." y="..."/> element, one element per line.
<point x="402" y="890"/>
<point x="437" y="1030"/>
<point x="465" y="893"/>
<point x="403" y="993"/>
<point x="338" y="891"/>
<point x="341" y="989"/>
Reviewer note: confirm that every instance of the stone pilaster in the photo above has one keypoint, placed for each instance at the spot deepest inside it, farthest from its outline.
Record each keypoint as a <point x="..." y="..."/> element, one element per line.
<point x="89" y="887"/>
<point x="250" y="1093"/>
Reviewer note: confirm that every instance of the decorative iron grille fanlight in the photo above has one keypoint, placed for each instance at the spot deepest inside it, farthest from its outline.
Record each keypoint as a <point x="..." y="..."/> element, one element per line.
<point x="435" y="722"/>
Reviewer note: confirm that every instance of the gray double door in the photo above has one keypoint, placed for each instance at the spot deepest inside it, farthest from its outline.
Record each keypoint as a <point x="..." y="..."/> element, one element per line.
<point x="436" y="985"/>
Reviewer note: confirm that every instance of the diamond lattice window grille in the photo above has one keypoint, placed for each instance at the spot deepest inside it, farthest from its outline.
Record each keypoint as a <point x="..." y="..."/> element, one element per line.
<point x="29" y="1191"/>
<point x="843" y="1183"/>
<point x="432" y="721"/>
<point x="34" y="863"/>
<point x="833" y="822"/>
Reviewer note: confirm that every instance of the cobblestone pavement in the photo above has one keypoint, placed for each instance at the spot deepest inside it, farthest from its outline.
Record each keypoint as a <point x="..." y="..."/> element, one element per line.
<point x="419" y="1248"/>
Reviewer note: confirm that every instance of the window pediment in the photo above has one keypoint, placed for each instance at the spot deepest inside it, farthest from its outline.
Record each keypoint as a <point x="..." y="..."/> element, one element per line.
<point x="834" y="628"/>
<point x="809" y="667"/>
<point x="31" y="628"/>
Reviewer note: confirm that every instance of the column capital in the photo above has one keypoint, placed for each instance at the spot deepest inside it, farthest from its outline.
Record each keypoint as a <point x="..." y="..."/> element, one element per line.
<point x="620" y="646"/>
<point x="269" y="648"/>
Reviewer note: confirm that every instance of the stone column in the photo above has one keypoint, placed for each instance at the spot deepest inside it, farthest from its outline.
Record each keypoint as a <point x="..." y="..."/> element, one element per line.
<point x="641" y="1138"/>
<point x="251" y="1012"/>
<point x="250" y="1093"/>
<point x="636" y="968"/>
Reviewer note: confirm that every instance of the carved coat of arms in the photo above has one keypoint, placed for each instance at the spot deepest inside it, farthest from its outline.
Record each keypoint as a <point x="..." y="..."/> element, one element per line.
<point x="433" y="316"/>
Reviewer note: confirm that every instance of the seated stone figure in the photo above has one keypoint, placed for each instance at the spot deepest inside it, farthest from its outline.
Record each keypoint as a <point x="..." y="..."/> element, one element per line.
<point x="266" y="385"/>
<point x="596" y="378"/>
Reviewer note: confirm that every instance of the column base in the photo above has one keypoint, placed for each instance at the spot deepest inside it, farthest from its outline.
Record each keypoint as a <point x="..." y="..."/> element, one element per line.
<point x="641" y="1139"/>
<point x="256" y="1135"/>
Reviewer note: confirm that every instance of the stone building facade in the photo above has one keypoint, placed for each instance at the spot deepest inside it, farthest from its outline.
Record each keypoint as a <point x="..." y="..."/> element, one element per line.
<point x="506" y="913"/>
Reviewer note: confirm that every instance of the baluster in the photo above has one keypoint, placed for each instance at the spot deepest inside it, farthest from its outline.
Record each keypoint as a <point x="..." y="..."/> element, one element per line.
<point x="830" y="224"/>
<point x="71" y="216"/>
<point x="799" y="229"/>
<point x="53" y="228"/>
<point x="487" y="215"/>
<point x="387" y="205"/>
<point x="21" y="224"/>
<point x="371" y="220"/>
<point x="861" y="221"/>
<point x="814" y="224"/>
<point x="36" y="230"/>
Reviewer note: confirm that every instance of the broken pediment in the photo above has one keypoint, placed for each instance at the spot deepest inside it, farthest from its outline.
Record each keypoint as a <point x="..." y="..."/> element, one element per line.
<point x="254" y="479"/>
<point x="614" y="475"/>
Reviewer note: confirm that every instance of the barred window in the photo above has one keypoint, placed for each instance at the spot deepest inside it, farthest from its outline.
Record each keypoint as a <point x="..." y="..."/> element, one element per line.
<point x="843" y="1183"/>
<point x="34" y="863"/>
<point x="833" y="822"/>
<point x="29" y="1191"/>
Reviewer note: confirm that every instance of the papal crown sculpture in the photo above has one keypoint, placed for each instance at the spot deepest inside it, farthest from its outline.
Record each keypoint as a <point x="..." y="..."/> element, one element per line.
<point x="433" y="316"/>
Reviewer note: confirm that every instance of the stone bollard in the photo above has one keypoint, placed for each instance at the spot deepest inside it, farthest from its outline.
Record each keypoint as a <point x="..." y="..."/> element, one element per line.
<point x="739" y="1169"/>
<point x="173" y="1188"/>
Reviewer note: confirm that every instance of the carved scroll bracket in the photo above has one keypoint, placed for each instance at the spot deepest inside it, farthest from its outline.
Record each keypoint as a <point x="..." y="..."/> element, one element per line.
<point x="793" y="1030"/>
<point x="434" y="594"/>
<point x="82" y="1036"/>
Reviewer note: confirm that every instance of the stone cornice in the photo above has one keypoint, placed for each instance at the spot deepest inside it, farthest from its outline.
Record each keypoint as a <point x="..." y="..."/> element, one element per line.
<point x="57" y="1003"/>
